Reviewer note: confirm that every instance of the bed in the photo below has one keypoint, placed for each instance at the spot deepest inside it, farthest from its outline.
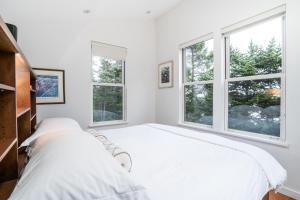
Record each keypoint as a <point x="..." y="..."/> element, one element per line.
<point x="168" y="163"/>
<point x="177" y="163"/>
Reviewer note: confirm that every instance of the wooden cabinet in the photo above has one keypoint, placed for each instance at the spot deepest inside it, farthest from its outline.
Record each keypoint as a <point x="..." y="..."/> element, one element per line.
<point x="17" y="109"/>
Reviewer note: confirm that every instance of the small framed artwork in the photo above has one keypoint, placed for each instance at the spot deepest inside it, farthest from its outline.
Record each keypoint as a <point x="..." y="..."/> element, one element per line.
<point x="165" y="75"/>
<point x="50" y="86"/>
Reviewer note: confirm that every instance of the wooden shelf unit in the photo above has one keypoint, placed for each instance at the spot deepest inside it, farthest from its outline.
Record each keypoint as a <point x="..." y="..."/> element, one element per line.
<point x="17" y="109"/>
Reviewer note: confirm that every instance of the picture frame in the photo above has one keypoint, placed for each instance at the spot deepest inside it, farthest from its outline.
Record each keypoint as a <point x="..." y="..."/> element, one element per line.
<point x="50" y="86"/>
<point x="165" y="74"/>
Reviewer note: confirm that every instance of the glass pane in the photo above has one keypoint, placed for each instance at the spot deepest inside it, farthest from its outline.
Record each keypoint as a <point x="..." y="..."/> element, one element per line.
<point x="198" y="61"/>
<point x="107" y="103"/>
<point x="257" y="50"/>
<point x="254" y="106"/>
<point x="199" y="104"/>
<point x="106" y="70"/>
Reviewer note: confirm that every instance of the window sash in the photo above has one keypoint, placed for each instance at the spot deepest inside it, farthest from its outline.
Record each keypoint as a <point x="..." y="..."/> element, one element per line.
<point x="184" y="102"/>
<point x="281" y="75"/>
<point x="124" y="105"/>
<point x="191" y="43"/>
<point x="123" y="74"/>
<point x="187" y="83"/>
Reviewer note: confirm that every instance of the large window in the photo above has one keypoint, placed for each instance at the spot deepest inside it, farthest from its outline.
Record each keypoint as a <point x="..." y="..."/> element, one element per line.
<point x="108" y="65"/>
<point x="198" y="82"/>
<point x="255" y="78"/>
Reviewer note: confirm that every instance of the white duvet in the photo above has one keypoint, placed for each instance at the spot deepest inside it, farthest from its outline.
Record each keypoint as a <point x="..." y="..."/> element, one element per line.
<point x="180" y="164"/>
<point x="73" y="165"/>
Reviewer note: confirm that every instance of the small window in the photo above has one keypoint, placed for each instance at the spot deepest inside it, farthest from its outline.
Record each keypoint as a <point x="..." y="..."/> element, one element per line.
<point x="198" y="82"/>
<point x="255" y="78"/>
<point x="108" y="65"/>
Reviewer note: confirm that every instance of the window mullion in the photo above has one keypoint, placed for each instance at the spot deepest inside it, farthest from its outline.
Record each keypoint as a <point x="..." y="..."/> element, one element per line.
<point x="199" y="82"/>
<point x="257" y="77"/>
<point x="109" y="84"/>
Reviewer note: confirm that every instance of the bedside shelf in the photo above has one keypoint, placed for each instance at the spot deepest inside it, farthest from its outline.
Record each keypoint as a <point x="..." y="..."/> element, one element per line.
<point x="17" y="107"/>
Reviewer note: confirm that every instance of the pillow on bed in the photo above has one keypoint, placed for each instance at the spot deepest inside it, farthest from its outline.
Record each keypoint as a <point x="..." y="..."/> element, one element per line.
<point x="75" y="167"/>
<point x="52" y="125"/>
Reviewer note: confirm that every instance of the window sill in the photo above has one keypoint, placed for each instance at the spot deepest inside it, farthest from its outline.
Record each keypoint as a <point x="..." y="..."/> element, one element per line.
<point x="108" y="123"/>
<point x="271" y="141"/>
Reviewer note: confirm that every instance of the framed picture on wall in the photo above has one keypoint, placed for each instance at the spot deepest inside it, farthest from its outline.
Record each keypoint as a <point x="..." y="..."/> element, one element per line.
<point x="165" y="74"/>
<point x="50" y="86"/>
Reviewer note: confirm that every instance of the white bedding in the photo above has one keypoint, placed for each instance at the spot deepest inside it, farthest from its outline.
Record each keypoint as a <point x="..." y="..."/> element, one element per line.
<point x="73" y="165"/>
<point x="180" y="164"/>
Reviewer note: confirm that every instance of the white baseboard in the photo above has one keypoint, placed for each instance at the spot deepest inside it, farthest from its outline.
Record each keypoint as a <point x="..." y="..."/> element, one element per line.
<point x="290" y="192"/>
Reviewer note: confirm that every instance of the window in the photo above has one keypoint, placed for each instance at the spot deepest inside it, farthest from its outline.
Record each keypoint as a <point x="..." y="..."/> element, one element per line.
<point x="255" y="78"/>
<point x="198" y="82"/>
<point x="108" y="65"/>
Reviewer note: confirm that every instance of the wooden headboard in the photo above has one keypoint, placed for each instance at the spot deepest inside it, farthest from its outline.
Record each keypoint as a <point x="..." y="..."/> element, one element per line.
<point x="17" y="109"/>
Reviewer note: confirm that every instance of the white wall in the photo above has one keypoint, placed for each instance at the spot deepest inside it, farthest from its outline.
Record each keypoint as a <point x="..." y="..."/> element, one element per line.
<point x="195" y="18"/>
<point x="67" y="46"/>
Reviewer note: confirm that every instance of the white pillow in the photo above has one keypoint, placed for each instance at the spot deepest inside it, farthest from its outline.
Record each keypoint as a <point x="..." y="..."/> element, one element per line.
<point x="74" y="167"/>
<point x="52" y="125"/>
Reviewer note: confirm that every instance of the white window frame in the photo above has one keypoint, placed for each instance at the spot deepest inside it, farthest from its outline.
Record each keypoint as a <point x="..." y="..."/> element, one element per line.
<point x="124" y="90"/>
<point x="221" y="84"/>
<point x="226" y="40"/>
<point x="185" y="83"/>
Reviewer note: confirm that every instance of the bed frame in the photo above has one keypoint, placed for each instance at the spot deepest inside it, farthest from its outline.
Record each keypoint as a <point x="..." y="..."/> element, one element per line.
<point x="17" y="109"/>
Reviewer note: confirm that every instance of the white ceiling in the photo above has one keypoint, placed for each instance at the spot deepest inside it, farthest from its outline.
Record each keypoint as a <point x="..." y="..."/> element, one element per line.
<point x="72" y="10"/>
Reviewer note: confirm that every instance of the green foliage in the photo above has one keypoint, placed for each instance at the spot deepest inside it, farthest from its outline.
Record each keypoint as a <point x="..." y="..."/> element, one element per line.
<point x="107" y="70"/>
<point x="197" y="107"/>
<point x="107" y="100"/>
<point x="201" y="62"/>
<point x="256" y="61"/>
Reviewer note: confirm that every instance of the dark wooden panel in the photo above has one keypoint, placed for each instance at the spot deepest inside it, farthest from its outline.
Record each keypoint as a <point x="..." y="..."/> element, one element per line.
<point x="7" y="115"/>
<point x="9" y="165"/>
<point x="22" y="159"/>
<point x="24" y="127"/>
<point x="7" y="67"/>
<point x="6" y="188"/>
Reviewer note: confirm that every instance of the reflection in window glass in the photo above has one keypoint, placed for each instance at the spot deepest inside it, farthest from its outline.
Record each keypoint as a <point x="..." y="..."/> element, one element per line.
<point x="199" y="104"/>
<point x="254" y="106"/>
<point x="107" y="103"/>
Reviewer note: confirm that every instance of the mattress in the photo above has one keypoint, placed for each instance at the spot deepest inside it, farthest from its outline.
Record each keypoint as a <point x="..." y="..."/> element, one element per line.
<point x="176" y="164"/>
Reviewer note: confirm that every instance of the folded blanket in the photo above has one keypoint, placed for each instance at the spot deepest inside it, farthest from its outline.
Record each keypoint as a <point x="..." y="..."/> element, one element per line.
<point x="118" y="153"/>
